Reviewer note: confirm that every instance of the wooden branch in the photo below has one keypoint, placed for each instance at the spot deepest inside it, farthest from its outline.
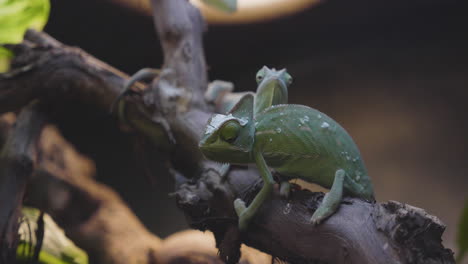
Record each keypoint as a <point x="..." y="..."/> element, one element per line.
<point x="359" y="232"/>
<point x="45" y="68"/>
<point x="16" y="166"/>
<point x="180" y="27"/>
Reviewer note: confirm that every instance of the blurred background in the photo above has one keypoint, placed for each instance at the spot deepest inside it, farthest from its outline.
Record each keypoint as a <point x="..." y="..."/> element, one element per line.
<point x="393" y="73"/>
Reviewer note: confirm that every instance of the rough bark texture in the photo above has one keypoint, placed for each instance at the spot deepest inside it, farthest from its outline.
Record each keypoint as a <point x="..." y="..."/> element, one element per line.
<point x="16" y="166"/>
<point x="172" y="113"/>
<point x="359" y="232"/>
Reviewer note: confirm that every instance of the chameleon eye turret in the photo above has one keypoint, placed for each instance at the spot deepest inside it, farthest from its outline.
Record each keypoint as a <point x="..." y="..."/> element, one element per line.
<point x="288" y="78"/>
<point x="230" y="131"/>
<point x="260" y="75"/>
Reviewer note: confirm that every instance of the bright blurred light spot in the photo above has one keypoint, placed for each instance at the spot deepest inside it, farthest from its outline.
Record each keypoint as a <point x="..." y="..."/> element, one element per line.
<point x="249" y="11"/>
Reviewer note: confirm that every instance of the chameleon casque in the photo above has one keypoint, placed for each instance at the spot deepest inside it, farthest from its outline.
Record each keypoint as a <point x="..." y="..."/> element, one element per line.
<point x="295" y="140"/>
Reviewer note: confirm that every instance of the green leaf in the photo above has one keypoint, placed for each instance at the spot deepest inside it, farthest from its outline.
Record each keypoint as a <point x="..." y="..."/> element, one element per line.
<point x="16" y="16"/>
<point x="462" y="238"/>
<point x="56" y="247"/>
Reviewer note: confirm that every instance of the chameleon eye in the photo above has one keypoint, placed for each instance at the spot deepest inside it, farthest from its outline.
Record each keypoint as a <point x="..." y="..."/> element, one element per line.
<point x="260" y="76"/>
<point x="288" y="79"/>
<point x="230" y="131"/>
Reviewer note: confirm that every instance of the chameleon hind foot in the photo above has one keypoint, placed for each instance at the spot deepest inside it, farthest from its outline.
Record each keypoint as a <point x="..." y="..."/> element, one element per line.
<point x="331" y="201"/>
<point x="241" y="209"/>
<point x="239" y="206"/>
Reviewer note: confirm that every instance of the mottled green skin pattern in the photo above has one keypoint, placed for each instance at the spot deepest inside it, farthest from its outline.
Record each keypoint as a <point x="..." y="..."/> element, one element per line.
<point x="300" y="142"/>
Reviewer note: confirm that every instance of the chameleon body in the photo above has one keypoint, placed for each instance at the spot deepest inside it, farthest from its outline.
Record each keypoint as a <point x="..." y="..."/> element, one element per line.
<point x="294" y="140"/>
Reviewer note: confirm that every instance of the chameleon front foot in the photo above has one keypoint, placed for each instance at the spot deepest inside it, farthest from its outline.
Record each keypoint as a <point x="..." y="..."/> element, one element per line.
<point x="241" y="209"/>
<point x="331" y="201"/>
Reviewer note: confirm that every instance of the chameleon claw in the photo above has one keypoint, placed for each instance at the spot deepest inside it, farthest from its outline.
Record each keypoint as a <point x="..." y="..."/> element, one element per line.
<point x="239" y="206"/>
<point x="316" y="218"/>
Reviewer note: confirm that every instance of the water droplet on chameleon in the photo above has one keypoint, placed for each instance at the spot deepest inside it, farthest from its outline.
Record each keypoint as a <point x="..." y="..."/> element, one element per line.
<point x="319" y="116"/>
<point x="325" y="125"/>
<point x="278" y="130"/>
<point x="358" y="175"/>
<point x="271" y="139"/>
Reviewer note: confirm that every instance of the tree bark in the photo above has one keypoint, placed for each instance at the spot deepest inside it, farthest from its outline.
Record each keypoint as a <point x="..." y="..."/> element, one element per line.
<point x="16" y="167"/>
<point x="171" y="112"/>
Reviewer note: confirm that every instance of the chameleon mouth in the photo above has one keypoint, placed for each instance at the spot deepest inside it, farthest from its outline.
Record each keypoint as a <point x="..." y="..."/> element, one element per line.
<point x="216" y="154"/>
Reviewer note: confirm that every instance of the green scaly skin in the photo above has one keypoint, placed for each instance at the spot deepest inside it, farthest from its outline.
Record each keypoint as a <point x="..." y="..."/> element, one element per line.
<point x="294" y="140"/>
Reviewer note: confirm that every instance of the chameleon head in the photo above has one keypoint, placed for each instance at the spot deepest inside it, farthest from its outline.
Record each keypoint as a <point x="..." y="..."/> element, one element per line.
<point x="230" y="138"/>
<point x="227" y="139"/>
<point x="281" y="78"/>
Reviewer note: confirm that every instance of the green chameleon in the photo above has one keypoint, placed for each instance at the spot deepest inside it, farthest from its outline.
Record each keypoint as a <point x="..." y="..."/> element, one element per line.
<point x="294" y="140"/>
<point x="272" y="89"/>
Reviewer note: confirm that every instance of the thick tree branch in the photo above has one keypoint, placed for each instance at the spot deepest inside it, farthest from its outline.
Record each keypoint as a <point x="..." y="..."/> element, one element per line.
<point x="359" y="232"/>
<point x="180" y="27"/>
<point x="44" y="68"/>
<point x="16" y="166"/>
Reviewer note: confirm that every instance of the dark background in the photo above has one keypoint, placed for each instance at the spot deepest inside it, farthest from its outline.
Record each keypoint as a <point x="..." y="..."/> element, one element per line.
<point x="393" y="73"/>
